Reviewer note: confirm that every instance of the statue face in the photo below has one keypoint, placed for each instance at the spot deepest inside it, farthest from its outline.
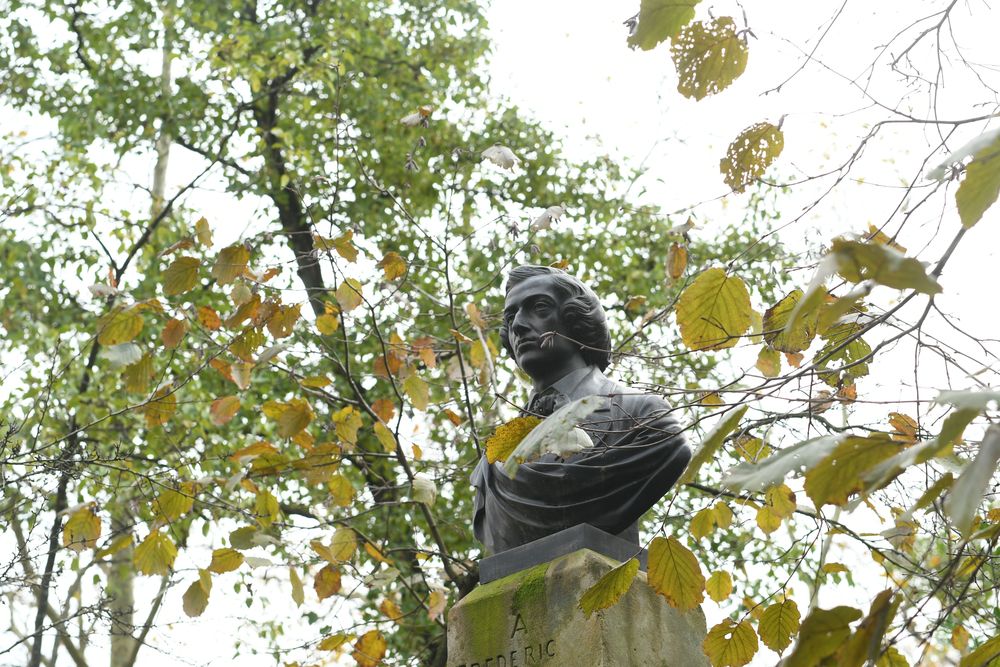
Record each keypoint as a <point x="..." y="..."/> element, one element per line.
<point x="532" y="309"/>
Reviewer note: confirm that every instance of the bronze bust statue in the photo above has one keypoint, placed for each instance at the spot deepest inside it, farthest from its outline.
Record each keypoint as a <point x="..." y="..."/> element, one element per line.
<point x="555" y="329"/>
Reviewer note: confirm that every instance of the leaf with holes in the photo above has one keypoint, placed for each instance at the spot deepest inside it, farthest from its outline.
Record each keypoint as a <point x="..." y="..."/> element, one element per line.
<point x="709" y="56"/>
<point x="750" y="154"/>
<point x="731" y="644"/>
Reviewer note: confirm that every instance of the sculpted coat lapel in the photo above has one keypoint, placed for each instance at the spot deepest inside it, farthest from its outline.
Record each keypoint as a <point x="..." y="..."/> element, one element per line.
<point x="638" y="455"/>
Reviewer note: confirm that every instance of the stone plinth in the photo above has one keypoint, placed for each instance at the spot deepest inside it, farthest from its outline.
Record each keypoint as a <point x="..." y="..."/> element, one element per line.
<point x="532" y="618"/>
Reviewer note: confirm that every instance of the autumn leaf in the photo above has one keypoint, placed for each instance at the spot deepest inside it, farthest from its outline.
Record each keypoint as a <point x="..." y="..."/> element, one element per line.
<point x="327" y="323"/>
<point x="341" y="490"/>
<point x="709" y="56"/>
<point x="417" y="391"/>
<point x="82" y="529"/>
<point x="841" y="473"/>
<point x="858" y="261"/>
<point x="203" y="232"/>
<point x="610" y="588"/>
<point x="180" y="276"/>
<point x="750" y="154"/>
<point x="821" y="634"/>
<point x="731" y="644"/>
<point x="282" y="323"/>
<point x="675" y="574"/>
<point x="294" y="416"/>
<point x="391" y="610"/>
<point x="393" y="265"/>
<point x="508" y="436"/>
<point x="384" y="409"/>
<point x="195" y="599"/>
<point x="327" y="582"/>
<point x="769" y="362"/>
<point x="385" y="437"/>
<point x="349" y="294"/>
<point x="155" y="554"/>
<point x="173" y="333"/>
<point x="776" y="325"/>
<point x="172" y="504"/>
<point x="230" y="263"/>
<point x="121" y="325"/>
<point x="369" y="649"/>
<point x="209" y="318"/>
<point x="225" y="560"/>
<point x="159" y="409"/>
<point x="713" y="311"/>
<point x="677" y="259"/>
<point x="712" y="442"/>
<point x="778" y="624"/>
<point x="266" y="508"/>
<point x="981" y="185"/>
<point x="347" y="422"/>
<point x="223" y="409"/>
<point x="139" y="375"/>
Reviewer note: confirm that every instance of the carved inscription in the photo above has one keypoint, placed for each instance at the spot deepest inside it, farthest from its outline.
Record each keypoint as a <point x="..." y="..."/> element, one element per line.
<point x="526" y="655"/>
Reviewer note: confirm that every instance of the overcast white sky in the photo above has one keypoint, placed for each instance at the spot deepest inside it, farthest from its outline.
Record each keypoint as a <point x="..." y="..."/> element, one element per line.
<point x="566" y="63"/>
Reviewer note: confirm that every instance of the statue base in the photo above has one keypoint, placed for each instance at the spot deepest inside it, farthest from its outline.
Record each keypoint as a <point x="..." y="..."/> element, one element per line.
<point x="532" y="618"/>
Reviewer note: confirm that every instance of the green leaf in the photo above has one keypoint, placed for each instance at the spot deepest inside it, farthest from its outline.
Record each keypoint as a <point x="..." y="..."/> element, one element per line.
<point x="82" y="529"/>
<point x="298" y="591"/>
<point x="821" y="634"/>
<point x="858" y="261"/>
<point x="750" y="154"/>
<point x="155" y="554"/>
<point x="981" y="185"/>
<point x="712" y="442"/>
<point x="180" y="276"/>
<point x="967" y="493"/>
<point x="777" y="625"/>
<point x="731" y="644"/>
<point x="844" y="345"/>
<point x="713" y="311"/>
<point x="779" y="335"/>
<point x="773" y="469"/>
<point x="987" y="655"/>
<point x="675" y="574"/>
<point x="195" y="599"/>
<point x="864" y="645"/>
<point x="610" y="588"/>
<point x="709" y="56"/>
<point x="417" y="391"/>
<point x="841" y="473"/>
<point x="660" y="20"/>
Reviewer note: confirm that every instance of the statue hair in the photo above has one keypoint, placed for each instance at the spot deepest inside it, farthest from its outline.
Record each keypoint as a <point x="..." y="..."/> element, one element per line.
<point x="585" y="321"/>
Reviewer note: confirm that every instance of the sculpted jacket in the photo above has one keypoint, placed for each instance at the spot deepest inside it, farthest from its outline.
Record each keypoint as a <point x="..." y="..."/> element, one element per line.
<point x="638" y="454"/>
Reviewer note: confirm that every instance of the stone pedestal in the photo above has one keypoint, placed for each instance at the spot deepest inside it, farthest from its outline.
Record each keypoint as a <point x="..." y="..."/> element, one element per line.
<point x="532" y="618"/>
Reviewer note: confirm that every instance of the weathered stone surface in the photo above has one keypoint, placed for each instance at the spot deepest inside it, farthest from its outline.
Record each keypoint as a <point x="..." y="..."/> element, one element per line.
<point x="533" y="618"/>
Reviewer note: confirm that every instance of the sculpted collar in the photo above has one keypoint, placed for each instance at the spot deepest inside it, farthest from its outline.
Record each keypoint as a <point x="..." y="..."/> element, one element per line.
<point x="570" y="384"/>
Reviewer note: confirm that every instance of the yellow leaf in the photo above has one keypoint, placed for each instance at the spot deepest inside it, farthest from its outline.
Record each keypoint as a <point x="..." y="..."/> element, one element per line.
<point x="709" y="56"/>
<point x="316" y="381"/>
<point x="981" y="185"/>
<point x="610" y="588"/>
<point x="180" y="276"/>
<point x="781" y="499"/>
<point x="719" y="585"/>
<point x="172" y="504"/>
<point x="508" y="436"/>
<point x="769" y="362"/>
<point x="266" y="508"/>
<point x="391" y="610"/>
<point x="117" y="544"/>
<point x="750" y="154"/>
<point x="392" y="265"/>
<point x="282" y="323"/>
<point x="348" y="421"/>
<point x="960" y="637"/>
<point x="155" y="554"/>
<point x="173" y="333"/>
<point x="342" y="244"/>
<point x="370" y="649"/>
<point x="821" y="634"/>
<point x="777" y="625"/>
<point x="341" y="549"/>
<point x="858" y="261"/>
<point x="223" y="409"/>
<point x="675" y="574"/>
<point x="139" y="375"/>
<point x="417" y="391"/>
<point x="253" y="451"/>
<point x="119" y="326"/>
<point x="677" y="259"/>
<point x="834" y="568"/>
<point x="840" y="474"/>
<point x="385" y="437"/>
<point x="326" y="323"/>
<point x="341" y="490"/>
<point x="713" y="311"/>
<point x="349" y="294"/>
<point x="295" y="416"/>
<point x="159" y="409"/>
<point x="225" y="560"/>
<point x="731" y="644"/>
<point x="298" y="590"/>
<point x="476" y="317"/>
<point x="723" y="515"/>
<point x="82" y="529"/>
<point x="768" y="519"/>
<point x="196" y="596"/>
<point x="203" y="232"/>
<point x="703" y="523"/>
<point x="776" y="320"/>
<point x="230" y="263"/>
<point x="384" y="409"/>
<point x="436" y="603"/>
<point x="905" y="427"/>
<point x="327" y="582"/>
<point x="333" y="642"/>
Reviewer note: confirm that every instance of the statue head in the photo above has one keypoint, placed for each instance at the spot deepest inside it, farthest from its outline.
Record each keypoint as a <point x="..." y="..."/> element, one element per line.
<point x="541" y="300"/>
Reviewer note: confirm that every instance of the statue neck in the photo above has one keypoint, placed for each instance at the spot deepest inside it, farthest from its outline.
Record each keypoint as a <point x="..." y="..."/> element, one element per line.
<point x="545" y="380"/>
